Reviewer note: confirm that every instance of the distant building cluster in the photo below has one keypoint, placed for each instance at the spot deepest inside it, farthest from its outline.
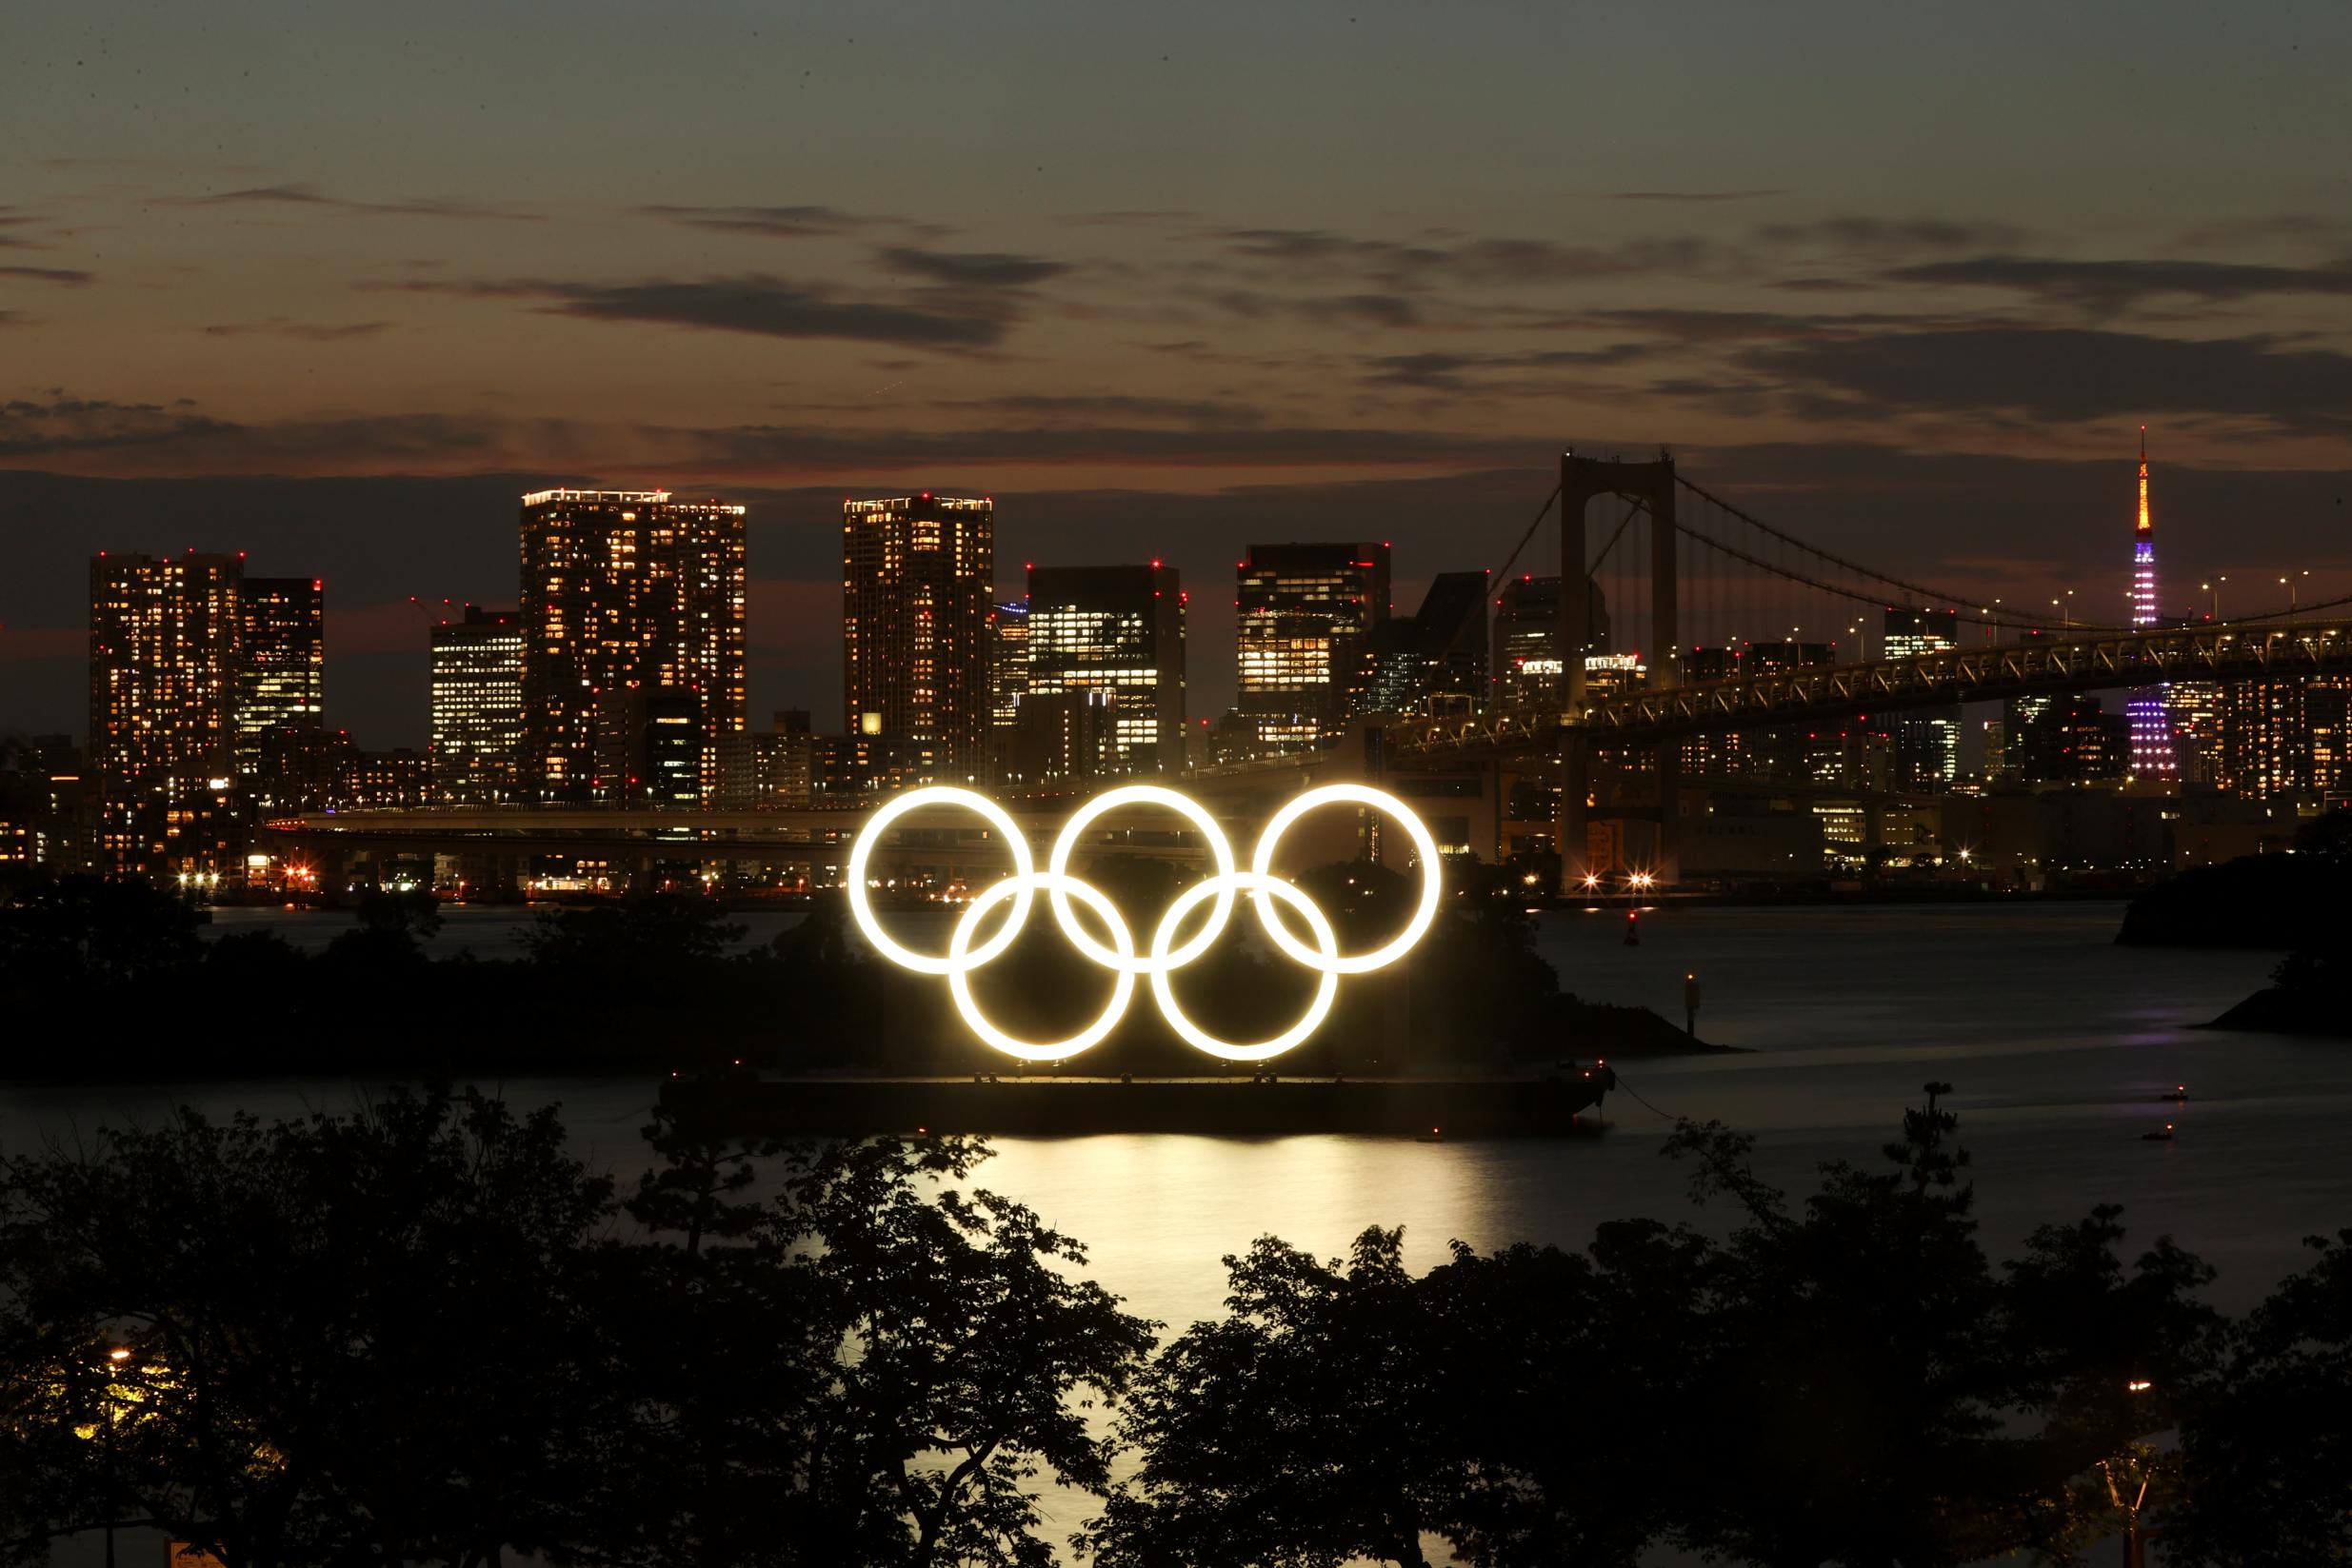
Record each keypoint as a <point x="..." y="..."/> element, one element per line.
<point x="618" y="681"/>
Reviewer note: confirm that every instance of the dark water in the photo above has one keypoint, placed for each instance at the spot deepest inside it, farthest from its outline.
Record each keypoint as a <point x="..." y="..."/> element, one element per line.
<point x="2058" y="1042"/>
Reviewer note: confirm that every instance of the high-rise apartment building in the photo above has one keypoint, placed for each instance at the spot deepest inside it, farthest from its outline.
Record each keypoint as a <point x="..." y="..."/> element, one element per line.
<point x="1926" y="741"/>
<point x="2195" y="710"/>
<point x="769" y="769"/>
<point x="1119" y="633"/>
<point x="281" y="672"/>
<point x="1303" y="613"/>
<point x="2288" y="736"/>
<point x="632" y="610"/>
<point x="917" y="589"/>
<point x="477" y="707"/>
<point x="164" y="635"/>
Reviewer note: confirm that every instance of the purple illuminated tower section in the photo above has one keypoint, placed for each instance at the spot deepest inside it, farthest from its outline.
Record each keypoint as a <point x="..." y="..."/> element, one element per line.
<point x="2151" y="720"/>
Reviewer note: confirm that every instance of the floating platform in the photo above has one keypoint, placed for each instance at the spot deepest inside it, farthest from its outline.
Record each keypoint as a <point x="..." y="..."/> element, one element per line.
<point x="1438" y="1110"/>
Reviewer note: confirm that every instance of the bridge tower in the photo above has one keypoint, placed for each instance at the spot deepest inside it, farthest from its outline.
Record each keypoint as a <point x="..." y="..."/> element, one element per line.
<point x="1651" y="485"/>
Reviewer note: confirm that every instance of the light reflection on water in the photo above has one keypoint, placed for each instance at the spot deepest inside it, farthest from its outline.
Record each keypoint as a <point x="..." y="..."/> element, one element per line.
<point x="2059" y="1042"/>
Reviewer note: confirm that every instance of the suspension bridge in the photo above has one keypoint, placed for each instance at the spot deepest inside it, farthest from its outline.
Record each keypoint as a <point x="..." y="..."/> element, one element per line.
<point x="1739" y="618"/>
<point x="1745" y="626"/>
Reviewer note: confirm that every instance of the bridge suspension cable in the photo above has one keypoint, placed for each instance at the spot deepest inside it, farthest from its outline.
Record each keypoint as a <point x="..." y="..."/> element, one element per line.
<point x="1933" y="595"/>
<point x="1857" y="595"/>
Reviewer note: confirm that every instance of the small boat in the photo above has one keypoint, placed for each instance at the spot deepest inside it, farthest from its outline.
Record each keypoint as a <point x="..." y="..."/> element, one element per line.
<point x="2164" y="1137"/>
<point x="1432" y="1136"/>
<point x="2180" y="1093"/>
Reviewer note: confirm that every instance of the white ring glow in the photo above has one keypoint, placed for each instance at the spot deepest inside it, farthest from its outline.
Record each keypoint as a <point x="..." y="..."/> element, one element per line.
<point x="1265" y="891"/>
<point x="960" y="968"/>
<point x="1219" y="848"/>
<point x="1025" y="872"/>
<point x="1261" y="885"/>
<point x="1261" y="863"/>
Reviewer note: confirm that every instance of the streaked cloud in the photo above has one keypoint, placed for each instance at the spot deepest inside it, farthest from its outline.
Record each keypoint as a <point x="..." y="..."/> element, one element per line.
<point x="973" y="269"/>
<point x="2063" y="374"/>
<point x="761" y="304"/>
<point x="307" y="331"/>
<point x="310" y="196"/>
<point x="2111" y="285"/>
<point x="67" y="276"/>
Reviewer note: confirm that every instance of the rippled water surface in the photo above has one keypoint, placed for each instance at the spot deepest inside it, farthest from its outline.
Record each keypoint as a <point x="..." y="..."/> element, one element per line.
<point x="2059" y="1042"/>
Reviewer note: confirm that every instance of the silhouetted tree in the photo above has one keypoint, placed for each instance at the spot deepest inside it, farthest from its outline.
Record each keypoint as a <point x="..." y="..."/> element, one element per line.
<point x="1312" y="1426"/>
<point x="1879" y="1396"/>
<point x="1571" y="1381"/>
<point x="350" y="1339"/>
<point x="657" y="934"/>
<point x="2330" y="835"/>
<point x="2267" y="1446"/>
<point x="82" y="932"/>
<point x="966" y="1355"/>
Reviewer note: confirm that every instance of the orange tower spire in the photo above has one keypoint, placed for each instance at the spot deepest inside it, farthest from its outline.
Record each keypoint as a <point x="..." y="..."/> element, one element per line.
<point x="2145" y="527"/>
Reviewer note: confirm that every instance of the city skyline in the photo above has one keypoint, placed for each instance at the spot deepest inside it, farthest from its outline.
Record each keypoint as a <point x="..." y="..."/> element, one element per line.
<point x="1127" y="278"/>
<point x="676" y="555"/>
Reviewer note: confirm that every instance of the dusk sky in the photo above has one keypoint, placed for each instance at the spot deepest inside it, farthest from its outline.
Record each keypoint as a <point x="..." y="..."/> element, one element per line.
<point x="333" y="284"/>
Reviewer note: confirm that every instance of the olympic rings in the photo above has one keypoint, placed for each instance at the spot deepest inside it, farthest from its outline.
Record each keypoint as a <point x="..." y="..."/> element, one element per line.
<point x="960" y="983"/>
<point x="1183" y="806"/>
<point x="995" y="816"/>
<point x="1260" y="886"/>
<point x="1266" y="892"/>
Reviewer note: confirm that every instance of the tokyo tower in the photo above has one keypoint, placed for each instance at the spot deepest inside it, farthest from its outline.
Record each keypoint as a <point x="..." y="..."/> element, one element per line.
<point x="2151" y="722"/>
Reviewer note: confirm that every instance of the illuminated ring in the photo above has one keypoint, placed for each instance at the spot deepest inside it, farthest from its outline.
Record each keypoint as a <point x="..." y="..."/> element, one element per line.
<point x="1260" y="886"/>
<point x="1059" y="864"/>
<point x="1262" y="864"/>
<point x="960" y="968"/>
<point x="1022" y="882"/>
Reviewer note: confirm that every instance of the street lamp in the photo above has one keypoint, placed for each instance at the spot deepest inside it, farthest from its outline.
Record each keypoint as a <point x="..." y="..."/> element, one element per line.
<point x="116" y="1358"/>
<point x="2291" y="584"/>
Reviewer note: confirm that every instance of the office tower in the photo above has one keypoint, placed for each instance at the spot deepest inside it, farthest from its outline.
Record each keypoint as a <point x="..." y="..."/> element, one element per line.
<point x="477" y="707"/>
<point x="1526" y="638"/>
<point x="281" y="672"/>
<point x="1008" y="659"/>
<point x="1436" y="656"/>
<point x="2151" y="726"/>
<point x="1927" y="742"/>
<point x="1997" y="762"/>
<point x="1064" y="738"/>
<point x="163" y="679"/>
<point x="628" y="595"/>
<point x="1117" y="632"/>
<point x="41" y="804"/>
<point x="2072" y="740"/>
<point x="916" y="587"/>
<point x="1302" y="615"/>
